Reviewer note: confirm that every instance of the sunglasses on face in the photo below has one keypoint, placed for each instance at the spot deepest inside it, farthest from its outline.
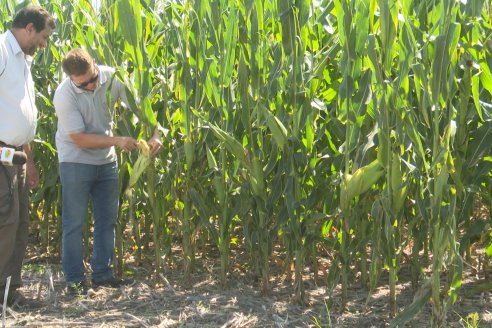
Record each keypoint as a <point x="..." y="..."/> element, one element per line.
<point x="86" y="83"/>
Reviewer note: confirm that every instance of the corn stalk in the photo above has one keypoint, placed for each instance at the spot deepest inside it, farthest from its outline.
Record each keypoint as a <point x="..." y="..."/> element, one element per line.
<point x="138" y="44"/>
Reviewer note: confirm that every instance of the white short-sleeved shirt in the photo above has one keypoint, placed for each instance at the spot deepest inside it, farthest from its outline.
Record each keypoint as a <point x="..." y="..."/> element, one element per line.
<point x="88" y="112"/>
<point x="18" y="112"/>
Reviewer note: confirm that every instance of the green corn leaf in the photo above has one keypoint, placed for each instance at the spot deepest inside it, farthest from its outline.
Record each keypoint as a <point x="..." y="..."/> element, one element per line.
<point x="287" y="20"/>
<point x="243" y="89"/>
<point x="475" y="87"/>
<point x="212" y="163"/>
<point x="388" y="21"/>
<point x="257" y="178"/>
<point x="231" y="144"/>
<point x="488" y="250"/>
<point x="217" y="179"/>
<point x="258" y="11"/>
<point x="443" y="45"/>
<point x="148" y="112"/>
<point x="486" y="76"/>
<point x="420" y="299"/>
<point x="304" y="8"/>
<point x="129" y="21"/>
<point x="362" y="26"/>
<point x="341" y="12"/>
<point x="204" y="212"/>
<point x="278" y="130"/>
<point x="439" y="68"/>
<point x="480" y="288"/>
<point x="480" y="143"/>
<point x="374" y="59"/>
<point x="230" y="47"/>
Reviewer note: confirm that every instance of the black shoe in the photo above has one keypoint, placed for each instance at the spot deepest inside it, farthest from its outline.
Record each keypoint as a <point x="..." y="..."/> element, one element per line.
<point x="113" y="282"/>
<point x="77" y="288"/>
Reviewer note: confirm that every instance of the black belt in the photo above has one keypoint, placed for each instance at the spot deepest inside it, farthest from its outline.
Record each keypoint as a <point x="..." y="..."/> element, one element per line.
<point x="3" y="144"/>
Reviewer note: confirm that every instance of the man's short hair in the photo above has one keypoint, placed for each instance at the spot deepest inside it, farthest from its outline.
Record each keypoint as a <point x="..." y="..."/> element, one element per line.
<point x="77" y="62"/>
<point x="36" y="15"/>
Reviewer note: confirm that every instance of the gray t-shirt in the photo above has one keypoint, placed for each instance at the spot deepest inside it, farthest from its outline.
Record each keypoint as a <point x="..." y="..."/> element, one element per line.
<point x="88" y="112"/>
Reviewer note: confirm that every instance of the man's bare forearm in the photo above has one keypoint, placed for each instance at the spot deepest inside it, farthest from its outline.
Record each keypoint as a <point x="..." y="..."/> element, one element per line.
<point x="97" y="141"/>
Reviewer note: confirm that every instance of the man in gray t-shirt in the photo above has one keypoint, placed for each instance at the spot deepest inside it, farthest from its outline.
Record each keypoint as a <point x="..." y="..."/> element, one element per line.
<point x="88" y="167"/>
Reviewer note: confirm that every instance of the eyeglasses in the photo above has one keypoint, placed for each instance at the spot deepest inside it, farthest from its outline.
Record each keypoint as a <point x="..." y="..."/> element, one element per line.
<point x="86" y="83"/>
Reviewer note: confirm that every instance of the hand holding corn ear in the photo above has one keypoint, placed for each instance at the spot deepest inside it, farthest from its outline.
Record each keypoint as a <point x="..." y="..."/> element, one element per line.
<point x="155" y="144"/>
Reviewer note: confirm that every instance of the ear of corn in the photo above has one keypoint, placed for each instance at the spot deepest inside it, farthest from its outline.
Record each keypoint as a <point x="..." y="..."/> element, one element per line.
<point x="279" y="131"/>
<point x="398" y="188"/>
<point x="218" y="181"/>
<point x="256" y="177"/>
<point x="143" y="146"/>
<point x="143" y="161"/>
<point x="360" y="182"/>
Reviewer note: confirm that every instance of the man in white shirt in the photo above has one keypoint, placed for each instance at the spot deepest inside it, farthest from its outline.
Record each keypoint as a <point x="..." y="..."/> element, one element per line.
<point x="31" y="29"/>
<point x="84" y="104"/>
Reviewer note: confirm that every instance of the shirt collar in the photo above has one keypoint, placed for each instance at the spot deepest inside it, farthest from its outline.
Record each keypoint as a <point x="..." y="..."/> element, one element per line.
<point x="15" y="46"/>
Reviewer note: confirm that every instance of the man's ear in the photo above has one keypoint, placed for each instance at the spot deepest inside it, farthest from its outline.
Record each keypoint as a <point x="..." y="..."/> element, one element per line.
<point x="30" y="28"/>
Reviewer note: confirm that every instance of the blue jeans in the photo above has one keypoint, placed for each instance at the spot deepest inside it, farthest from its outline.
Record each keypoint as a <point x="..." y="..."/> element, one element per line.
<point x="99" y="183"/>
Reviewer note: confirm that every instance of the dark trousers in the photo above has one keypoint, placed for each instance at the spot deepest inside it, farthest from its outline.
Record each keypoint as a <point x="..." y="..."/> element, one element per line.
<point x="14" y="223"/>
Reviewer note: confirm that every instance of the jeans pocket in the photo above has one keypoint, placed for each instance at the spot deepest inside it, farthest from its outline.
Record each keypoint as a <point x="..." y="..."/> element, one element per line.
<point x="6" y="194"/>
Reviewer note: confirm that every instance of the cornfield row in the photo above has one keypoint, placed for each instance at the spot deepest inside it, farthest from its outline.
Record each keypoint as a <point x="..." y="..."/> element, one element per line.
<point x="358" y="129"/>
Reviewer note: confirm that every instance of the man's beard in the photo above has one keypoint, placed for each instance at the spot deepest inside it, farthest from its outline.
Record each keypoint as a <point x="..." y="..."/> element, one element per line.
<point x="31" y="50"/>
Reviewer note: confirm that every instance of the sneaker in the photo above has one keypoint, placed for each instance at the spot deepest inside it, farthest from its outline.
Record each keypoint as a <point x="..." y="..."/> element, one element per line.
<point x="113" y="282"/>
<point x="77" y="288"/>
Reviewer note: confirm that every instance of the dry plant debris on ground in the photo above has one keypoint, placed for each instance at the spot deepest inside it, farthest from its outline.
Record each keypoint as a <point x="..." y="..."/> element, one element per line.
<point x="206" y="304"/>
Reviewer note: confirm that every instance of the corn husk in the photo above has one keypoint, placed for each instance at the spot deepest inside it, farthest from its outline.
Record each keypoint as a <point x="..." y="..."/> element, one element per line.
<point x="358" y="183"/>
<point x="398" y="187"/>
<point x="143" y="161"/>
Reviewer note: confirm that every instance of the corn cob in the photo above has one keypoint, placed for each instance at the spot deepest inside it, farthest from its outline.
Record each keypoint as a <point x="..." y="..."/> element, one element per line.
<point x="144" y="147"/>
<point x="358" y="183"/>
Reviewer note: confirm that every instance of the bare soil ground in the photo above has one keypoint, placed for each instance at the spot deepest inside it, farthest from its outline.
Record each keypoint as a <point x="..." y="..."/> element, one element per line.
<point x="205" y="303"/>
